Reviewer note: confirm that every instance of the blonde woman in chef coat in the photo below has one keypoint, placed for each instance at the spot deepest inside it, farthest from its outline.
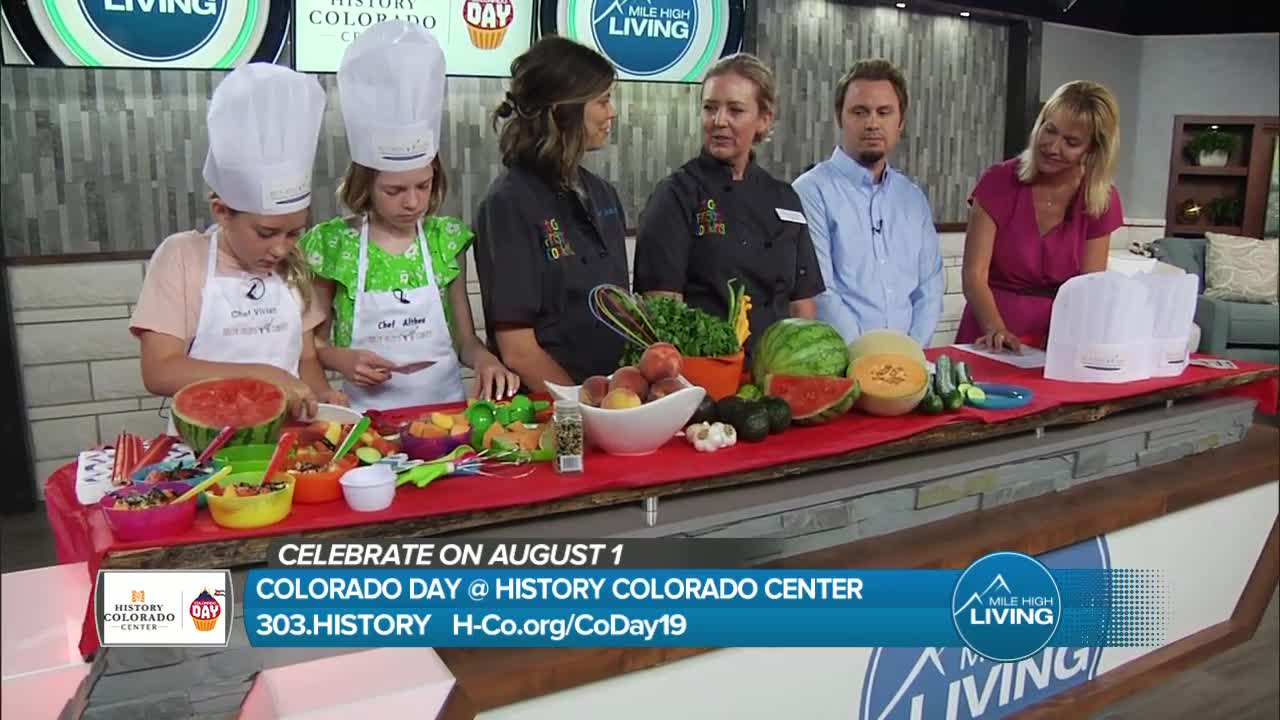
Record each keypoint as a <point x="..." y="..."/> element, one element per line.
<point x="237" y="299"/>
<point x="394" y="274"/>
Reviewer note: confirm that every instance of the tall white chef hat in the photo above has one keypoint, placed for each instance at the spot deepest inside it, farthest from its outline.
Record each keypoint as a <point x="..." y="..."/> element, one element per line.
<point x="391" y="83"/>
<point x="264" y="124"/>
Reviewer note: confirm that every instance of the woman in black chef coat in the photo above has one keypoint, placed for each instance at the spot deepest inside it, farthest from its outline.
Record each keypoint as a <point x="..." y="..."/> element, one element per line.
<point x="721" y="216"/>
<point x="547" y="230"/>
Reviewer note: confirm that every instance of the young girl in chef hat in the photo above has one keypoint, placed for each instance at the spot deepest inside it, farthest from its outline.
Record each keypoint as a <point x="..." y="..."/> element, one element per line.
<point x="395" y="273"/>
<point x="237" y="300"/>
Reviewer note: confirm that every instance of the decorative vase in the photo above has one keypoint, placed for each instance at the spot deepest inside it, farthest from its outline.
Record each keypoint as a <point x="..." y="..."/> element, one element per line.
<point x="1217" y="158"/>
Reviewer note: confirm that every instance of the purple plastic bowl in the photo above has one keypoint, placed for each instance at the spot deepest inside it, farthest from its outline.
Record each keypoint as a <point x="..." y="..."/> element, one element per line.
<point x="152" y="523"/>
<point x="427" y="449"/>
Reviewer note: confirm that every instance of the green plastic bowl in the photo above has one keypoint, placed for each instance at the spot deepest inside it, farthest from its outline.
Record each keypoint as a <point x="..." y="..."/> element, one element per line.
<point x="245" y="458"/>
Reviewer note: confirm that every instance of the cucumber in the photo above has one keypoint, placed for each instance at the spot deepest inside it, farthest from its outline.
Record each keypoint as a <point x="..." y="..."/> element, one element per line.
<point x="953" y="400"/>
<point x="930" y="404"/>
<point x="944" y="377"/>
<point x="974" y="394"/>
<point x="962" y="373"/>
<point x="368" y="455"/>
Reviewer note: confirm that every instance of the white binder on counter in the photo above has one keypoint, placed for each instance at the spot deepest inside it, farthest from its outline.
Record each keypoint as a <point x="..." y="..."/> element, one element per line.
<point x="1100" y="330"/>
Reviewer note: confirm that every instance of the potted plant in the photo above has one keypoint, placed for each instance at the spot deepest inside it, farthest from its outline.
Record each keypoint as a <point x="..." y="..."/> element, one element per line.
<point x="1226" y="211"/>
<point x="1210" y="148"/>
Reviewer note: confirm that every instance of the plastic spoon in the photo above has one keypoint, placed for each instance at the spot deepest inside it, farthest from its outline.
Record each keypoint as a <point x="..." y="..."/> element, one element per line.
<point x="218" y="441"/>
<point x="200" y="487"/>
<point x="350" y="441"/>
<point x="283" y="448"/>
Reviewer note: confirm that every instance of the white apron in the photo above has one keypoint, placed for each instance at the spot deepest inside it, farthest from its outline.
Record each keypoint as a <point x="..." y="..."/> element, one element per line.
<point x="408" y="328"/>
<point x="246" y="319"/>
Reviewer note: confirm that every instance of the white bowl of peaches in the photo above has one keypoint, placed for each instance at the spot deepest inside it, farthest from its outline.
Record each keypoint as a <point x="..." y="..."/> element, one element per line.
<point x="637" y="409"/>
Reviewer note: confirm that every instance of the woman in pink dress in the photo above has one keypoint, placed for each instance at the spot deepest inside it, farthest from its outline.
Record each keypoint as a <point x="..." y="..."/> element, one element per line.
<point x="1041" y="218"/>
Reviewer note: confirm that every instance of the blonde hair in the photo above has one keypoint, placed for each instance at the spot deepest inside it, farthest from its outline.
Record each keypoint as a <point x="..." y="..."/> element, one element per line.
<point x="1094" y="103"/>
<point x="356" y="190"/>
<point x="749" y="66"/>
<point x="293" y="268"/>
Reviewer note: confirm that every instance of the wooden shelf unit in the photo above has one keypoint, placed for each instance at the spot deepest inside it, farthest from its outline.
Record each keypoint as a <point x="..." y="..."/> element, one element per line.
<point x="1246" y="175"/>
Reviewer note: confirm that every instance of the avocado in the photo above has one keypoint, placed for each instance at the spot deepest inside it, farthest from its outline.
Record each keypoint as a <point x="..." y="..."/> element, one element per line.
<point x="752" y="423"/>
<point x="706" y="412"/>
<point x="727" y="409"/>
<point x="779" y="413"/>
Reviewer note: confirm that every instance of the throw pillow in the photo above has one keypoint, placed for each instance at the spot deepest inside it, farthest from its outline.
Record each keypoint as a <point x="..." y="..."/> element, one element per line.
<point x="1242" y="269"/>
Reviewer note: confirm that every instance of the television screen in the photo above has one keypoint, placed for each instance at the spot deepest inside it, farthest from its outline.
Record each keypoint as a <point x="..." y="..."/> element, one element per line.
<point x="480" y="37"/>
<point x="204" y="34"/>
<point x="652" y="40"/>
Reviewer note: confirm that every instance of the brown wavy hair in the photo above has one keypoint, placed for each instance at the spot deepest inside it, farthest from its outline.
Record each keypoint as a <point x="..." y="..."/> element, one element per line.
<point x="356" y="190"/>
<point x="542" y="113"/>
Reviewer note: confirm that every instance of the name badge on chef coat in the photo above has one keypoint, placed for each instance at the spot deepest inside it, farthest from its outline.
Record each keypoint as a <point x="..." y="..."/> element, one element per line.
<point x="791" y="216"/>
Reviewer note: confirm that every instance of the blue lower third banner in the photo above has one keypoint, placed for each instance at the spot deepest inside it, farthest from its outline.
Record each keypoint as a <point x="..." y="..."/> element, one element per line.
<point x="1005" y="607"/>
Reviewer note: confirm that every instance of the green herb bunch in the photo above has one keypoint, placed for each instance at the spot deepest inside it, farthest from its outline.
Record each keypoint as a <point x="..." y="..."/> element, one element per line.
<point x="694" y="332"/>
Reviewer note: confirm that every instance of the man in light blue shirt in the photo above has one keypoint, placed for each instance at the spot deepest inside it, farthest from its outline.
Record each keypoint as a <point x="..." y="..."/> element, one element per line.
<point x="872" y="227"/>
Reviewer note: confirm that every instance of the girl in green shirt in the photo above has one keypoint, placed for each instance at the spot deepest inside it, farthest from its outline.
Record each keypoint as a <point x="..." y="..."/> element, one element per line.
<point x="394" y="221"/>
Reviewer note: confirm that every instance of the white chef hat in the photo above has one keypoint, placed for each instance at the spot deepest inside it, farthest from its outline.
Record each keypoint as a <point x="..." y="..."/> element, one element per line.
<point x="391" y="84"/>
<point x="264" y="124"/>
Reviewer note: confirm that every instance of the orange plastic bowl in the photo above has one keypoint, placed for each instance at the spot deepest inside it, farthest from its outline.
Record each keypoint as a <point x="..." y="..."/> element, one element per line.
<point x="719" y="375"/>
<point x="319" y="486"/>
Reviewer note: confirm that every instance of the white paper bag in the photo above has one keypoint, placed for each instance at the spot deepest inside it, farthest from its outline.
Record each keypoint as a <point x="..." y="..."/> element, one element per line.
<point x="1100" y="330"/>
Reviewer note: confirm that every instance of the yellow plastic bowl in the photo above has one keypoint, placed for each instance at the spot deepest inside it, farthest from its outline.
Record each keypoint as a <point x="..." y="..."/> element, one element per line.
<point x="254" y="511"/>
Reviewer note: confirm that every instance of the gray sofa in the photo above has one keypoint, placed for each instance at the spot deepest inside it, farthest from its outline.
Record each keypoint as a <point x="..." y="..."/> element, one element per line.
<point x="1246" y="331"/>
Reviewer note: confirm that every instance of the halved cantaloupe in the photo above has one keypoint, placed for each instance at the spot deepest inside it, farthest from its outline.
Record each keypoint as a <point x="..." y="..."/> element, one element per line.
<point x="891" y="383"/>
<point x="879" y="342"/>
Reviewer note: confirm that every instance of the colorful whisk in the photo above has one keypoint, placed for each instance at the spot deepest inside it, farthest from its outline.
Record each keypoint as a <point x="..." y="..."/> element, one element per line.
<point x="464" y="460"/>
<point x="622" y="312"/>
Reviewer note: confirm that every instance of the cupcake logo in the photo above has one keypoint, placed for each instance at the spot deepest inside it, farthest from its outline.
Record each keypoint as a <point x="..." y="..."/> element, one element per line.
<point x="205" y="611"/>
<point x="488" y="21"/>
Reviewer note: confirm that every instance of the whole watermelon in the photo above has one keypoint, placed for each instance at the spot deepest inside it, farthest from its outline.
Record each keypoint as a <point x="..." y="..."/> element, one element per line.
<point x="796" y="346"/>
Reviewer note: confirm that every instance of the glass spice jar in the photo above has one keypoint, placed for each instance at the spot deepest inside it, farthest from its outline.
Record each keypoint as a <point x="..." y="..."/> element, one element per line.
<point x="569" y="437"/>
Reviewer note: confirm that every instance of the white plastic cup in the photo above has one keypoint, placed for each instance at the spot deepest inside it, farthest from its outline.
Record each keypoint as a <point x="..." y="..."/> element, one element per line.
<point x="370" y="488"/>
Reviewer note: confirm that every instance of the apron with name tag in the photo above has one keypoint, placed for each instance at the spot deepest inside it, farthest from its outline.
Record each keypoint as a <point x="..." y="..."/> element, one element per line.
<point x="246" y="319"/>
<point x="408" y="328"/>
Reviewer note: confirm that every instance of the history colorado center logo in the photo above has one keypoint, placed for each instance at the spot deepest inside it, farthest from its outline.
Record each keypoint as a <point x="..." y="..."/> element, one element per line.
<point x="1006" y="608"/>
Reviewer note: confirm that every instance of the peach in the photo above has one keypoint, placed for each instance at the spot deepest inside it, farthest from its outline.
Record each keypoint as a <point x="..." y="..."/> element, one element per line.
<point x="664" y="387"/>
<point x="630" y="378"/>
<point x="620" y="399"/>
<point x="593" y="390"/>
<point x="660" y="361"/>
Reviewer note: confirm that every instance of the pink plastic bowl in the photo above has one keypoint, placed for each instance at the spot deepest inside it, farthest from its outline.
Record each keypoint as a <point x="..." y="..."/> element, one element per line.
<point x="157" y="522"/>
<point x="427" y="449"/>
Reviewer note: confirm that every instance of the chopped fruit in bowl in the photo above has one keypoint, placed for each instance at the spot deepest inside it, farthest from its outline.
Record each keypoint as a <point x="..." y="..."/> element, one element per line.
<point x="427" y="438"/>
<point x="317" y="475"/>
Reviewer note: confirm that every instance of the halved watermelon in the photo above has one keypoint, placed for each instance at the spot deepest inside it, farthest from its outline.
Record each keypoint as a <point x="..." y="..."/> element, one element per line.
<point x="814" y="399"/>
<point x="256" y="408"/>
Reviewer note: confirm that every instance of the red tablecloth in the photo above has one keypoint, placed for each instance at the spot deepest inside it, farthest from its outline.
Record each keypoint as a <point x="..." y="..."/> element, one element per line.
<point x="82" y="535"/>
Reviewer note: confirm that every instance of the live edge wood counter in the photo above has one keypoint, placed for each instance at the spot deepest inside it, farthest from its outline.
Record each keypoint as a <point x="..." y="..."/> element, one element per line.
<point x="242" y="552"/>
<point x="491" y="678"/>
